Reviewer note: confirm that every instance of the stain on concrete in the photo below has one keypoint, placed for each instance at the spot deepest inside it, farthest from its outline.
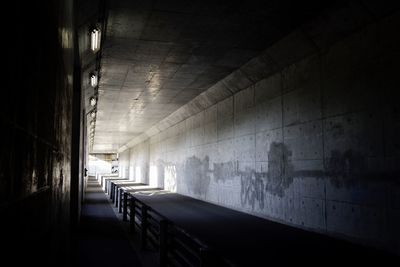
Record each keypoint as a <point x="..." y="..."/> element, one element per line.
<point x="344" y="168"/>
<point x="254" y="184"/>
<point x="224" y="171"/>
<point x="197" y="175"/>
<point x="280" y="169"/>
<point x="279" y="176"/>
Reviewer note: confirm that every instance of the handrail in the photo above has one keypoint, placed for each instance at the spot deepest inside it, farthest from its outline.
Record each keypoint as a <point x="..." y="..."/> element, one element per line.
<point x="190" y="247"/>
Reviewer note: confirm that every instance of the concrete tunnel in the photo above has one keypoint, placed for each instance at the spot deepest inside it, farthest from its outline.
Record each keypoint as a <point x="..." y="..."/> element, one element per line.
<point x="200" y="133"/>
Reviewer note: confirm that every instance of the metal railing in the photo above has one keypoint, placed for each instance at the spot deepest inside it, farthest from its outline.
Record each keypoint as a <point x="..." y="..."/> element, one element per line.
<point x="176" y="247"/>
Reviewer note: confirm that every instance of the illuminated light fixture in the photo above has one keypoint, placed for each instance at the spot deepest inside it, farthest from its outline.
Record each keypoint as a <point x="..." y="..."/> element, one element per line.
<point x="92" y="123"/>
<point x="93" y="114"/>
<point x="93" y="80"/>
<point x="93" y="101"/>
<point x="95" y="39"/>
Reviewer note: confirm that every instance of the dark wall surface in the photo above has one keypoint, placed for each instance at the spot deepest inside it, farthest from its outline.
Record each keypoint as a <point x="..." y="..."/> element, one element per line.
<point x="35" y="123"/>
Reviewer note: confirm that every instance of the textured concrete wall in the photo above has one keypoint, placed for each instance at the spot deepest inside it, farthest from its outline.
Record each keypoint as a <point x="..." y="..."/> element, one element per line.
<point x="35" y="123"/>
<point x="312" y="143"/>
<point x="123" y="162"/>
<point x="134" y="163"/>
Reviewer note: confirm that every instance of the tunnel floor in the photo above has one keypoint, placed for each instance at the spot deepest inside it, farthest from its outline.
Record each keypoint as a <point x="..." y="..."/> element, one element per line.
<point x="247" y="240"/>
<point x="241" y="238"/>
<point x="102" y="240"/>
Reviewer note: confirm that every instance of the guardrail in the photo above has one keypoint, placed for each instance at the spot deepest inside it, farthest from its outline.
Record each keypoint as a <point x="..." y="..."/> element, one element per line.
<point x="175" y="245"/>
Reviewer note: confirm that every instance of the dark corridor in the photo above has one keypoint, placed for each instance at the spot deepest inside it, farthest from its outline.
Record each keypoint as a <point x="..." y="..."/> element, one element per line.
<point x="200" y="133"/>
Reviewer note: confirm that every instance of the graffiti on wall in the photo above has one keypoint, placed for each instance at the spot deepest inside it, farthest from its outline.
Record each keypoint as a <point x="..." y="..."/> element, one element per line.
<point x="342" y="169"/>
<point x="275" y="180"/>
<point x="252" y="188"/>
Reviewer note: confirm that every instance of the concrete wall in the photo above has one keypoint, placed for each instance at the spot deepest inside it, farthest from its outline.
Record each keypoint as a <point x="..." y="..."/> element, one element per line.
<point x="313" y="144"/>
<point x="35" y="123"/>
<point x="123" y="162"/>
<point x="139" y="162"/>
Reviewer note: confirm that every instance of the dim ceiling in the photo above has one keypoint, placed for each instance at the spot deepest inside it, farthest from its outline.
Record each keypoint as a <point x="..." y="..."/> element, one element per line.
<point x="158" y="55"/>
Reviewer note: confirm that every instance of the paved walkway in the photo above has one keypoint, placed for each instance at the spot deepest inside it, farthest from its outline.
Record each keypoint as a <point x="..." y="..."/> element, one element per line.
<point x="102" y="240"/>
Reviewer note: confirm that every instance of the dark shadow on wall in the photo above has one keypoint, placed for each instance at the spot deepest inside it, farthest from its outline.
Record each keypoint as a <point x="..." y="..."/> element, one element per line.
<point x="280" y="169"/>
<point x="350" y="167"/>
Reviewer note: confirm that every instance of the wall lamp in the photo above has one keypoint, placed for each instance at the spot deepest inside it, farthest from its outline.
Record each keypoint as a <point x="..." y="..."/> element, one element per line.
<point x="95" y="39"/>
<point x="93" y="101"/>
<point x="93" y="80"/>
<point x="93" y="114"/>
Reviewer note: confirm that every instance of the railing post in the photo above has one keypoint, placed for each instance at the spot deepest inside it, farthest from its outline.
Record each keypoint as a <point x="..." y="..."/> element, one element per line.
<point x="125" y="208"/>
<point x="144" y="226"/>
<point x="111" y="190"/>
<point x="116" y="195"/>
<point x="132" y="217"/>
<point x="120" y="200"/>
<point x="163" y="243"/>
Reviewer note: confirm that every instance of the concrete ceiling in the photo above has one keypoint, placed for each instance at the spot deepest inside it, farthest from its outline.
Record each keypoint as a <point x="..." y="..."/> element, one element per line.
<point x="158" y="55"/>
